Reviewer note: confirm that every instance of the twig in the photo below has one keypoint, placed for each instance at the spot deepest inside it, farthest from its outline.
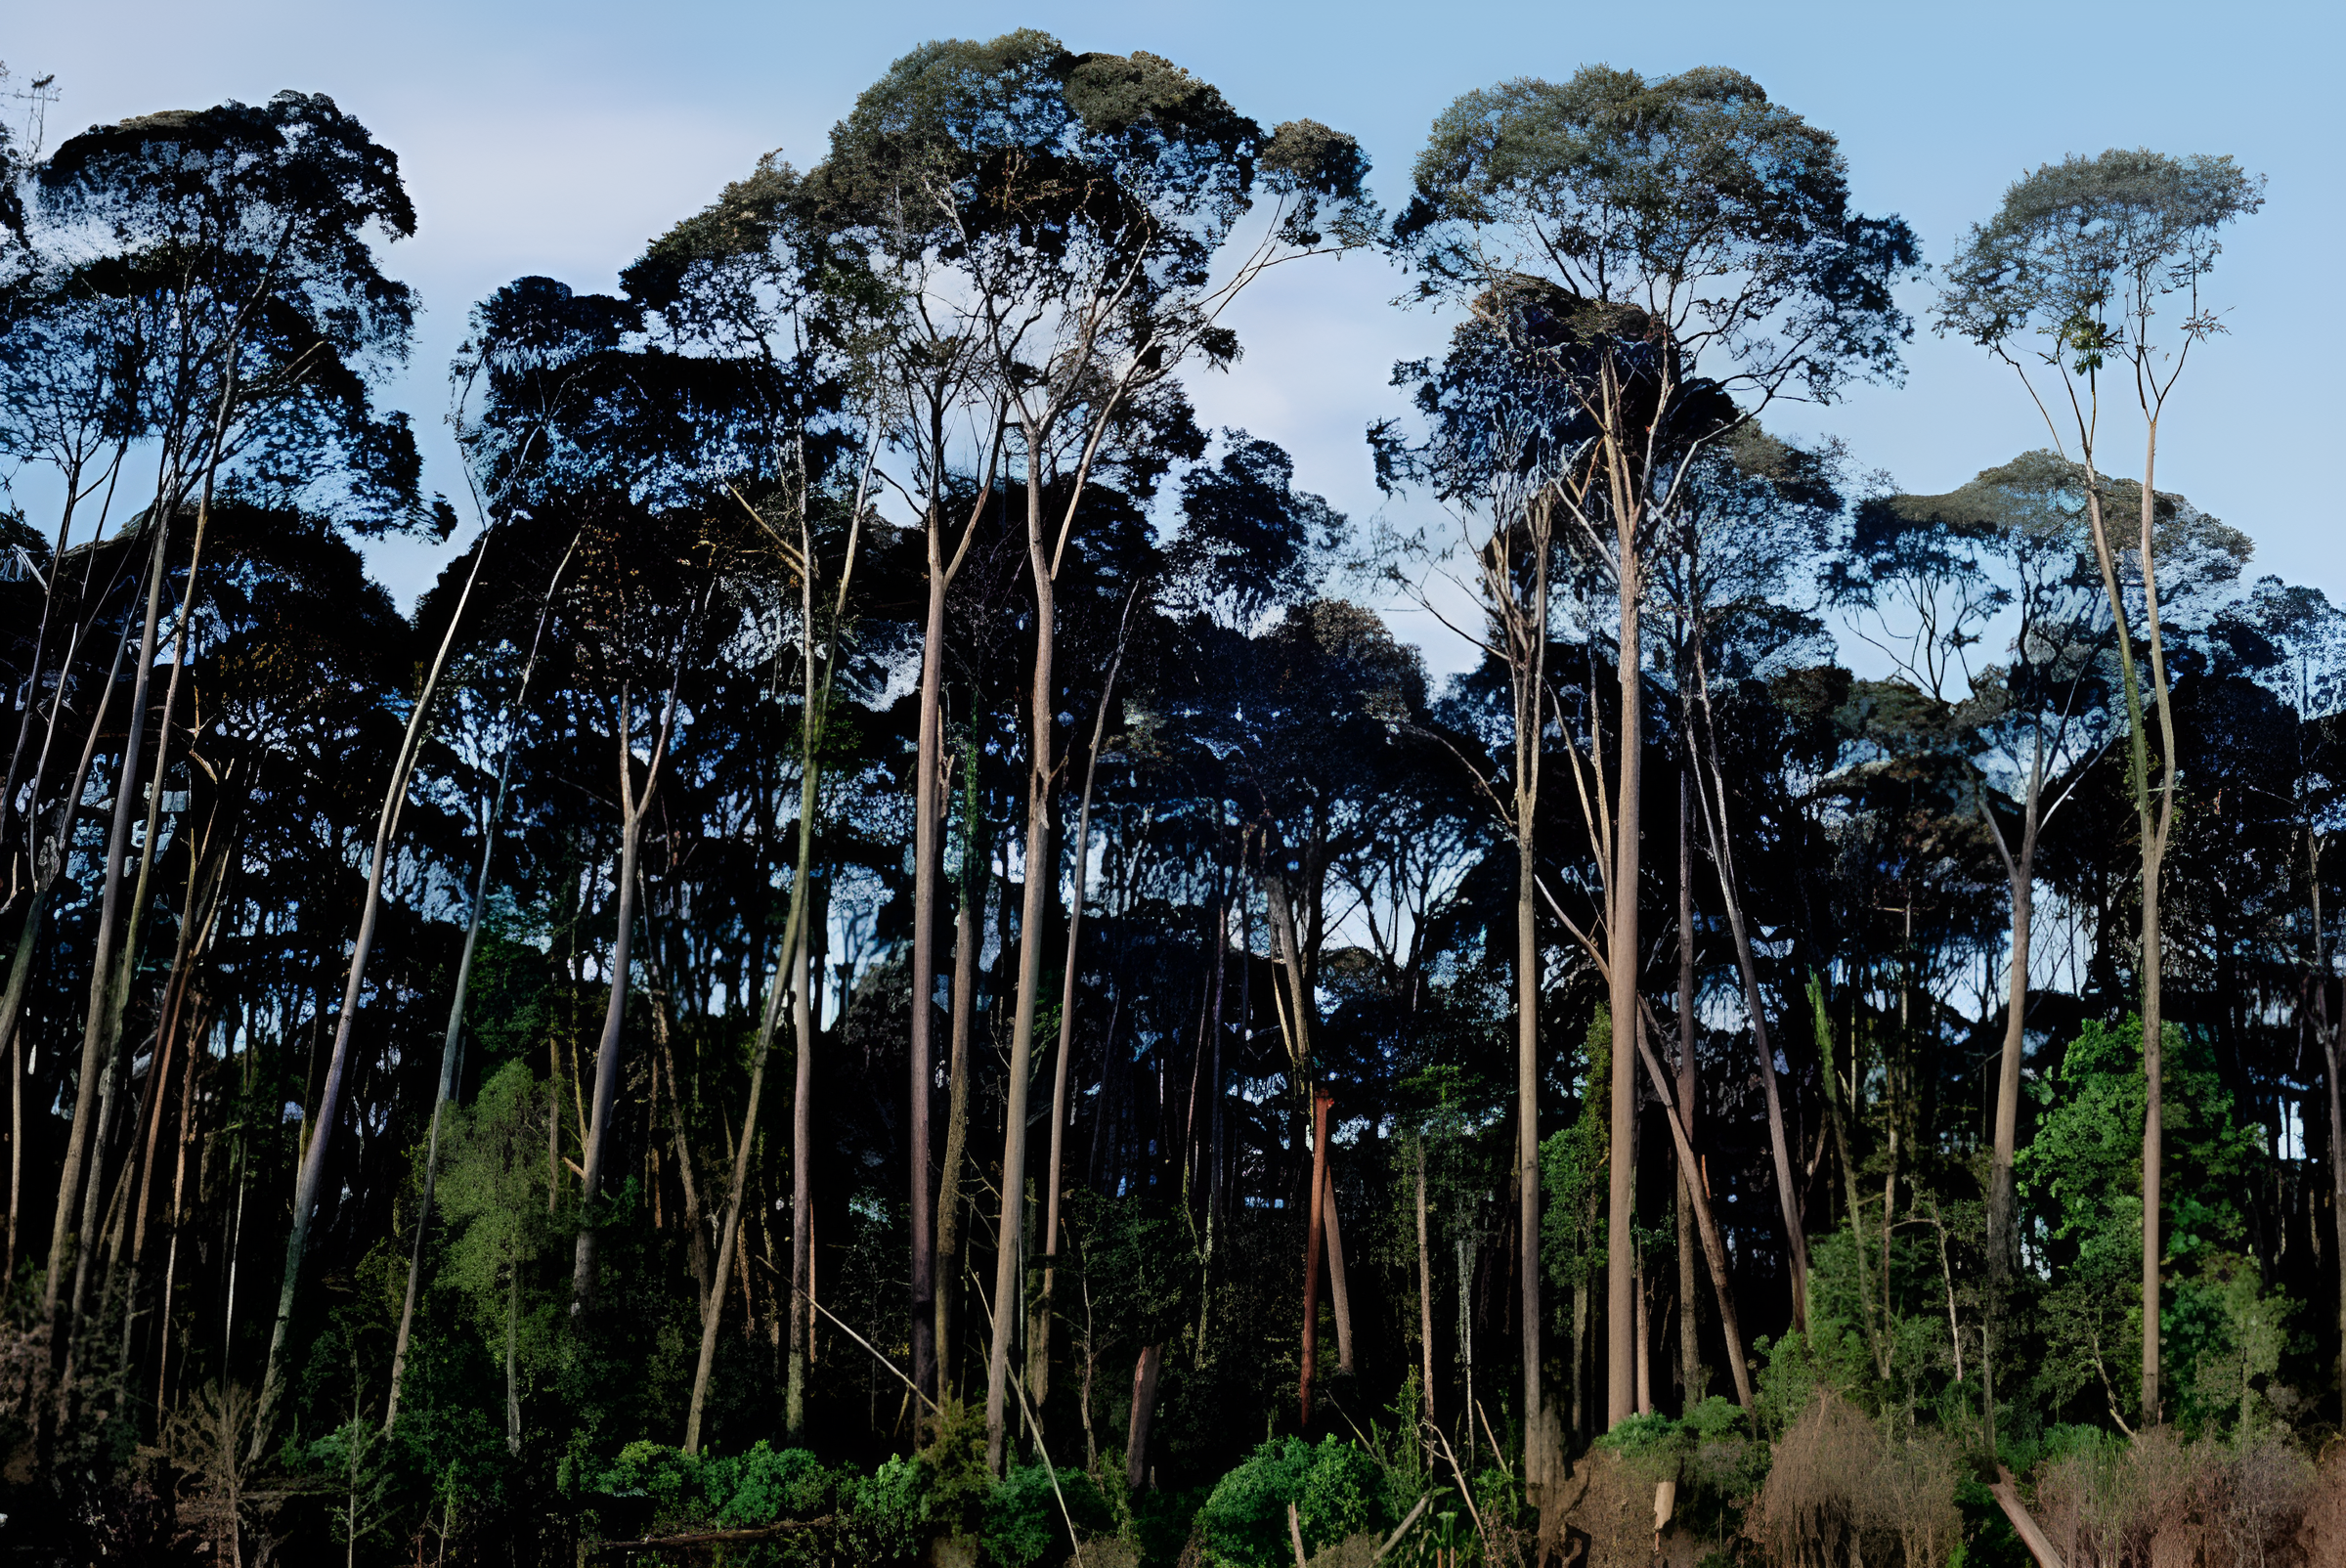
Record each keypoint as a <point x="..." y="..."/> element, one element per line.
<point x="800" y="1291"/>
<point x="1402" y="1529"/>
<point x="1466" y="1489"/>
<point x="1034" y="1424"/>
<point x="1499" y="1449"/>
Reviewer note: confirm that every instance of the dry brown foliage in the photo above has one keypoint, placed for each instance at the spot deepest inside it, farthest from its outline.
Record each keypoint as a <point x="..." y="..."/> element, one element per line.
<point x="2321" y="1533"/>
<point x="1611" y="1507"/>
<point x="1841" y="1495"/>
<point x="207" y="1437"/>
<point x="2157" y="1503"/>
<point x="25" y="1385"/>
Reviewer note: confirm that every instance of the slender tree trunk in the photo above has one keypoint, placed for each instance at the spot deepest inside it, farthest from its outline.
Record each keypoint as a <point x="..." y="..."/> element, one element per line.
<point x="1706" y="1219"/>
<point x="1039" y="1357"/>
<point x="1339" y="1290"/>
<point x="801" y="1188"/>
<point x="179" y="1187"/>
<point x="1143" y="1411"/>
<point x="512" y="1361"/>
<point x="930" y="1316"/>
<point x="328" y="1104"/>
<point x="2001" y="1235"/>
<point x="1425" y="1295"/>
<point x="40" y="650"/>
<point x="82" y="1151"/>
<point x="1622" y="941"/>
<point x="792" y="972"/>
<point x="1723" y="854"/>
<point x="1690" y="1354"/>
<point x="1528" y="645"/>
<point x="928" y="776"/>
<point x="695" y="1221"/>
<point x="2155" y="825"/>
<point x="451" y="1042"/>
<point x="1214" y="1158"/>
<point x="19" y="973"/>
<point x="607" y="1057"/>
<point x="1313" y="1230"/>
<point x="728" y="1238"/>
<point x="1041" y="868"/>
<point x="207" y="865"/>
<point x="957" y="1146"/>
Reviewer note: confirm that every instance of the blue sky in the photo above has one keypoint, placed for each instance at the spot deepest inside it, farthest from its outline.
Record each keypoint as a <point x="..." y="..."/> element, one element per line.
<point x="556" y="139"/>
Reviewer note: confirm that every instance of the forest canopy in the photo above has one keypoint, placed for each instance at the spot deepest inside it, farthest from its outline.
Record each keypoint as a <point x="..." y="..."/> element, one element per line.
<point x="896" y="964"/>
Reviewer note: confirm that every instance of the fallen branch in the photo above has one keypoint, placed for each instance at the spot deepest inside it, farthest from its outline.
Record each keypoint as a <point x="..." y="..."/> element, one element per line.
<point x="1402" y="1529"/>
<point x="2023" y="1524"/>
<point x="705" y="1538"/>
<point x="852" y="1335"/>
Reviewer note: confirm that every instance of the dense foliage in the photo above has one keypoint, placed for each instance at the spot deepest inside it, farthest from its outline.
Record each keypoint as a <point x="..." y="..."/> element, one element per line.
<point x="897" y="963"/>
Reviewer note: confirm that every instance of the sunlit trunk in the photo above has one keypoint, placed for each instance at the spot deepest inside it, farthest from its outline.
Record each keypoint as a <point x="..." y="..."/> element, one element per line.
<point x="1041" y="870"/>
<point x="1622" y="941"/>
<point x="1315" y="1208"/>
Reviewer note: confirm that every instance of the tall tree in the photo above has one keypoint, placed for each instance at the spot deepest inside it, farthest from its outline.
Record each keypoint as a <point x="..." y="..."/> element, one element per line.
<point x="2094" y="264"/>
<point x="1933" y="573"/>
<point x="243" y="238"/>
<point x="1085" y="199"/>
<point x="1694" y="246"/>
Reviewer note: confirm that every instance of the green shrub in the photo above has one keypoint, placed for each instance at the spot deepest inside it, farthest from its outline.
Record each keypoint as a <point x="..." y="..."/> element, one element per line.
<point x="757" y="1488"/>
<point x="1337" y="1490"/>
<point x="883" y="1517"/>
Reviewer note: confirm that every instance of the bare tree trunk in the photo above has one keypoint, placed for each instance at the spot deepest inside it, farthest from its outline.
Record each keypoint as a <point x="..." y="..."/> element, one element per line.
<point x="18" y="973"/>
<point x="1528" y="645"/>
<point x="512" y="1363"/>
<point x="1339" y="1291"/>
<point x="96" y="1080"/>
<point x="957" y="1142"/>
<point x="1041" y="870"/>
<point x="713" y="1305"/>
<point x="450" y="1041"/>
<point x="1690" y="1353"/>
<point x="1143" y="1411"/>
<point x="1425" y="1293"/>
<point x="2155" y="826"/>
<point x="1313" y="1227"/>
<point x="801" y="1196"/>
<point x="2019" y="870"/>
<point x="1715" y="1251"/>
<point x="328" y="1107"/>
<point x="927" y="777"/>
<point x="179" y="1185"/>
<point x="1038" y="1353"/>
<point x="793" y="970"/>
<point x="607" y="1048"/>
<point x="449" y="1046"/>
<point x="1621" y="944"/>
<point x="1723" y="854"/>
<point x="1213" y="1181"/>
<point x="930" y="1319"/>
